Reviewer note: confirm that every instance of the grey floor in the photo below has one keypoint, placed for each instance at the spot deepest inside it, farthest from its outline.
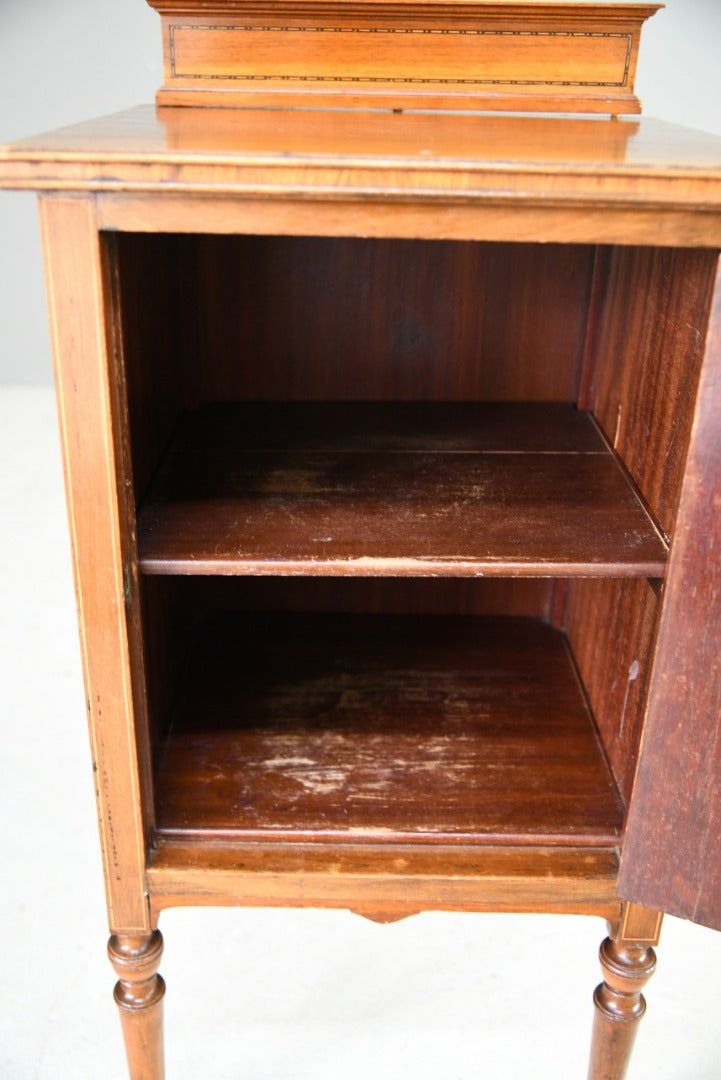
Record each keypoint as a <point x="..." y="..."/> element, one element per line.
<point x="263" y="995"/>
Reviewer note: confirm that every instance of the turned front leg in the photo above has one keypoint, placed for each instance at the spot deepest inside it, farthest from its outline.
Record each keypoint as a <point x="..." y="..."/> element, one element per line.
<point x="628" y="961"/>
<point x="139" y="996"/>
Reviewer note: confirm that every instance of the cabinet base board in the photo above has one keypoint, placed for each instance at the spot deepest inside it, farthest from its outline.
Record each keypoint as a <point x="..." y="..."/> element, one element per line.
<point x="402" y="879"/>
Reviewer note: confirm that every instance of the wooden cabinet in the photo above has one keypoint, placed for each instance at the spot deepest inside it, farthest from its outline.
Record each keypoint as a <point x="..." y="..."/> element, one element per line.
<point x="391" y="446"/>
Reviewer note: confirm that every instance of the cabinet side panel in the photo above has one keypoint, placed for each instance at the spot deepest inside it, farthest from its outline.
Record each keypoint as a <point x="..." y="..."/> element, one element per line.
<point x="92" y="432"/>
<point x="611" y="627"/>
<point x="650" y="346"/>
<point x="155" y="335"/>
<point x="672" y="851"/>
<point x="154" y="305"/>
<point x="368" y="319"/>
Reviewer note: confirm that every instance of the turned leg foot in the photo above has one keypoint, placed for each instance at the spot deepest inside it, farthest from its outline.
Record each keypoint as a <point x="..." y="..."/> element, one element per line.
<point x="139" y="997"/>
<point x="627" y="964"/>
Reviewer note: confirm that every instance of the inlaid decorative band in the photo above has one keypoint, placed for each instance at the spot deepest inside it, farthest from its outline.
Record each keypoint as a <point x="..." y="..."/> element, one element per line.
<point x="420" y="31"/>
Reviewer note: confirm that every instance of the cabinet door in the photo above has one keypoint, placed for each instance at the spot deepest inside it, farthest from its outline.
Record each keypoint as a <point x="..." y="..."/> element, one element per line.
<point x="672" y="849"/>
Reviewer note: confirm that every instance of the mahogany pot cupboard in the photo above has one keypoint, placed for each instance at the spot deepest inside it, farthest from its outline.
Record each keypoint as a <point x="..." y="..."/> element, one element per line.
<point x="392" y="442"/>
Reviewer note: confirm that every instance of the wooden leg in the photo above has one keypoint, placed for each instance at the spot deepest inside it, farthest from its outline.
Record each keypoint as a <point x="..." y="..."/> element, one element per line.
<point x="139" y="996"/>
<point x="628" y="961"/>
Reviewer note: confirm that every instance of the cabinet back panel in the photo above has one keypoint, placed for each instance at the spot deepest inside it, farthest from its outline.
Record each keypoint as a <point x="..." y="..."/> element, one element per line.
<point x="316" y="318"/>
<point x="173" y="605"/>
<point x="654" y="313"/>
<point x="401" y="596"/>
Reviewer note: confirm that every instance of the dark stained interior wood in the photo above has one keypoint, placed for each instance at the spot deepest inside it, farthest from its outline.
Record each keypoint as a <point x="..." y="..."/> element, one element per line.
<point x="498" y="489"/>
<point x="227" y="318"/>
<point x="168" y="614"/>
<point x="384" y="727"/>
<point x="363" y="339"/>
<point x="648" y="319"/>
<point x="198" y="597"/>
<point x="390" y="427"/>
<point x="650" y="347"/>
<point x="611" y="628"/>
<point x="671" y="858"/>
<point x="312" y="318"/>
<point x="173" y="604"/>
<point x="146" y="305"/>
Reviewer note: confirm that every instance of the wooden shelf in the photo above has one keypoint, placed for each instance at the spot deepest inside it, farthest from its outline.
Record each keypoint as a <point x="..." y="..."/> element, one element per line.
<point x="373" y="728"/>
<point x="380" y="489"/>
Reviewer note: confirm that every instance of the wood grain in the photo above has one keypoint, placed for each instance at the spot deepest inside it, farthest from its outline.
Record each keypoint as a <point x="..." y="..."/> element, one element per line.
<point x="619" y="1006"/>
<point x="103" y="550"/>
<point x="477" y="215"/>
<point x="195" y="597"/>
<point x="311" y="747"/>
<point x="139" y="996"/>
<point x="148" y="300"/>
<point x="404" y="174"/>
<point x="316" y="318"/>
<point x="261" y="504"/>
<point x="389" y="427"/>
<point x="405" y="878"/>
<point x="372" y="727"/>
<point x="555" y="57"/>
<point x="611" y="627"/>
<point x="670" y="858"/>
<point x="651" y="343"/>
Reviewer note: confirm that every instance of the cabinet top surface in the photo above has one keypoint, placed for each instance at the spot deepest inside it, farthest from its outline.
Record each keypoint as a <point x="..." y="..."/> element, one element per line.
<point x="187" y="140"/>
<point x="503" y="177"/>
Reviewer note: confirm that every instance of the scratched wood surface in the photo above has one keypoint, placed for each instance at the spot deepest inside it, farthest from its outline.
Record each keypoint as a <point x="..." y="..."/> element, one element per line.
<point x="173" y="604"/>
<point x="368" y="726"/>
<point x="519" y="499"/>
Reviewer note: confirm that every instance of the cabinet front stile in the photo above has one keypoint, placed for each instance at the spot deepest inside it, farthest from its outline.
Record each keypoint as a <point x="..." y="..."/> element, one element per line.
<point x="98" y="484"/>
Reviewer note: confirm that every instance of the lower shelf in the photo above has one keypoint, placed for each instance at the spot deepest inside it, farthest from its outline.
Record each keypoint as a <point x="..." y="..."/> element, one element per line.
<point x="370" y="729"/>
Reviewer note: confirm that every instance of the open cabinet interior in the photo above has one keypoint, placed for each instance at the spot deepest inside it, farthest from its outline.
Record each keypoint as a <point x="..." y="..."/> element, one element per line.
<point x="403" y="514"/>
